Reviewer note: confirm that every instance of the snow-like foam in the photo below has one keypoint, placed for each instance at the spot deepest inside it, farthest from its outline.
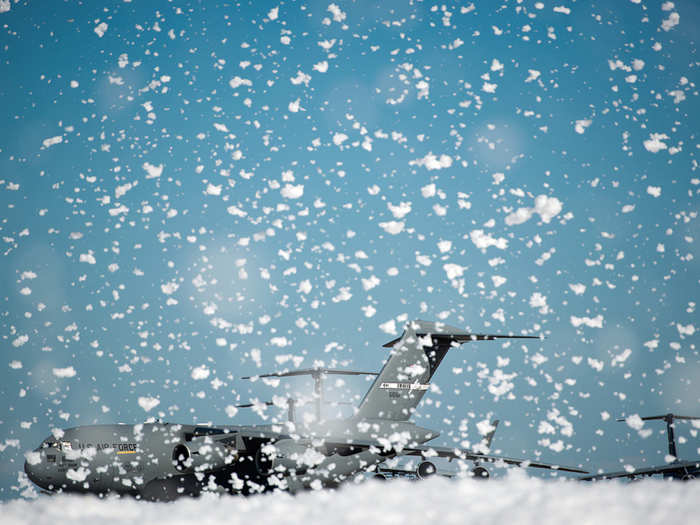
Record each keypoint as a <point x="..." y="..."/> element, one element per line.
<point x="516" y="499"/>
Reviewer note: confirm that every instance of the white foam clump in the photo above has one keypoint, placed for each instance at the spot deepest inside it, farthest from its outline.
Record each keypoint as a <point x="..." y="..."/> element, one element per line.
<point x="655" y="143"/>
<point x="79" y="474"/>
<point x="291" y="191"/>
<point x="634" y="421"/>
<point x="152" y="171"/>
<point x="484" y="240"/>
<point x="578" y="288"/>
<point x="101" y="29"/>
<point x="581" y="125"/>
<point x="20" y="340"/>
<point x="51" y="141"/>
<point x="148" y="403"/>
<point x="433" y="162"/>
<point x="392" y="227"/>
<point x="237" y="82"/>
<point x="453" y="271"/>
<point x="87" y="258"/>
<point x="339" y="138"/>
<point x="546" y="207"/>
<point x="527" y="500"/>
<point x="389" y="327"/>
<point x="672" y="21"/>
<point x="169" y="288"/>
<point x="400" y="211"/>
<point x="592" y="322"/>
<point x="69" y="371"/>
<point x="200" y="372"/>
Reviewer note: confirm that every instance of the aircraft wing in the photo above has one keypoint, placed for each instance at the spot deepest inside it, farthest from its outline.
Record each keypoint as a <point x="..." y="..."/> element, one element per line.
<point x="428" y="451"/>
<point x="469" y="455"/>
<point x="679" y="468"/>
<point x="407" y="473"/>
<point x="348" y="447"/>
<point x="243" y="438"/>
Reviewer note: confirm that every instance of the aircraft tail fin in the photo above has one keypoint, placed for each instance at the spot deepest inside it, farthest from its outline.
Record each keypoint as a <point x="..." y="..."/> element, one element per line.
<point x="489" y="437"/>
<point x="414" y="359"/>
<point x="668" y="418"/>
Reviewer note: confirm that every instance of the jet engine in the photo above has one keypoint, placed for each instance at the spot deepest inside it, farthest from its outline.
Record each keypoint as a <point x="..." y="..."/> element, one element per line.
<point x="480" y="472"/>
<point x="181" y="457"/>
<point x="264" y="457"/>
<point x="201" y="457"/>
<point x="425" y="470"/>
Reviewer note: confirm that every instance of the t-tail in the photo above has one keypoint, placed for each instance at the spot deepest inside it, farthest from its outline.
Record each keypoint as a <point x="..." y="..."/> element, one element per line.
<point x="414" y="359"/>
<point x="668" y="418"/>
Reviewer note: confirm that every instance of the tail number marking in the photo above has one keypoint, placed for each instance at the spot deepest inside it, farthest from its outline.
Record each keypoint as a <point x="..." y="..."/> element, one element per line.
<point x="403" y="386"/>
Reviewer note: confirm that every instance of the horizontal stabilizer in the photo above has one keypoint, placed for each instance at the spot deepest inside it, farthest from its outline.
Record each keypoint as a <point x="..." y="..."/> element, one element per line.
<point x="423" y="328"/>
<point x="668" y="418"/>
<point x="266" y="403"/>
<point x="665" y="417"/>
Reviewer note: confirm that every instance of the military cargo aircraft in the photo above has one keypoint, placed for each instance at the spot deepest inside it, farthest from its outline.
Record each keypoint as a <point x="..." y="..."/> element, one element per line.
<point x="161" y="461"/>
<point x="674" y="469"/>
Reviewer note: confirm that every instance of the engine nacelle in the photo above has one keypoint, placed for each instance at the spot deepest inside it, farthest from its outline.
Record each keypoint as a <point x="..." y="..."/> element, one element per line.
<point x="480" y="473"/>
<point x="425" y="470"/>
<point x="201" y="456"/>
<point x="264" y="459"/>
<point x="181" y="457"/>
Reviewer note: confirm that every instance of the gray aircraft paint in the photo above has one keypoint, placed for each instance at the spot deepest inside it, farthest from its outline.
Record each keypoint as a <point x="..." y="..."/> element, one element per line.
<point x="163" y="461"/>
<point x="120" y="458"/>
<point x="405" y="377"/>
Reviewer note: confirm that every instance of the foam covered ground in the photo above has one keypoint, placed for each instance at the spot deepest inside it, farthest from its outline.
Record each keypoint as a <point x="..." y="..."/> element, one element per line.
<point x="516" y="499"/>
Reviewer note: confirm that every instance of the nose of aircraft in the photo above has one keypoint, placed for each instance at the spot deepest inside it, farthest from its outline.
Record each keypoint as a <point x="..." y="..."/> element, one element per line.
<point x="29" y="471"/>
<point x="32" y="467"/>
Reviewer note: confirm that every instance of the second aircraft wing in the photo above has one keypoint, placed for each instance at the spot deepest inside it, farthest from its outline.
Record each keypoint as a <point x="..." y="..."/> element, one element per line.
<point x="678" y="469"/>
<point x="428" y="451"/>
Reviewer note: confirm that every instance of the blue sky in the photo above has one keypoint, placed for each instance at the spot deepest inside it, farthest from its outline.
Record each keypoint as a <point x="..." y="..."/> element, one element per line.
<point x="197" y="192"/>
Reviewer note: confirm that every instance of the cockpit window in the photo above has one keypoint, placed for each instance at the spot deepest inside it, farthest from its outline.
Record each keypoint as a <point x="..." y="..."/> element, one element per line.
<point x="51" y="458"/>
<point x="208" y="431"/>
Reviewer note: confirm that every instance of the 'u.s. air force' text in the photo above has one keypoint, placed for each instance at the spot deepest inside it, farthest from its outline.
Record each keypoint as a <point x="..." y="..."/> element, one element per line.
<point x="119" y="448"/>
